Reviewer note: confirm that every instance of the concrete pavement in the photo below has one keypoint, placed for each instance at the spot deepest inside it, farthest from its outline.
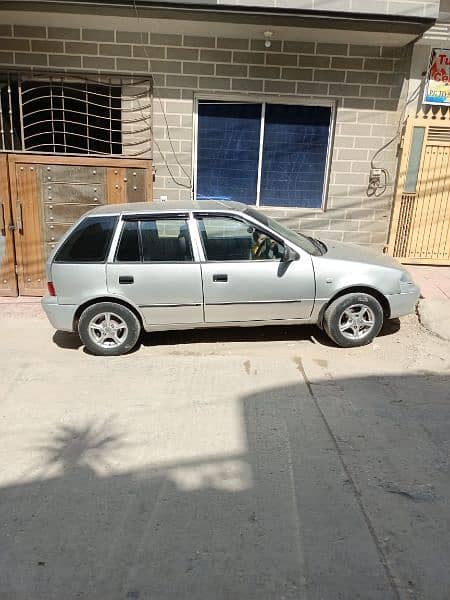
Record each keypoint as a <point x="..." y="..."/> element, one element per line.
<point x="434" y="282"/>
<point x="253" y="463"/>
<point x="434" y="306"/>
<point x="434" y="314"/>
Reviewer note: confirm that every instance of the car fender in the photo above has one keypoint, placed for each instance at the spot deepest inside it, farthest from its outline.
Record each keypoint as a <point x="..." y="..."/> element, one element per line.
<point x="333" y="276"/>
<point x="118" y="298"/>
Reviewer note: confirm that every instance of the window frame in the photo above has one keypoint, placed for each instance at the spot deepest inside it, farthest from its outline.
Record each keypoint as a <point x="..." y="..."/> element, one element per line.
<point x="67" y="123"/>
<point x="199" y="216"/>
<point x="12" y="105"/>
<point x="151" y="217"/>
<point x="264" y="100"/>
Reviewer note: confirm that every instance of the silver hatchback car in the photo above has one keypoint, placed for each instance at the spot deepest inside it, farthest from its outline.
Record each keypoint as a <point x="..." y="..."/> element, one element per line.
<point x="126" y="268"/>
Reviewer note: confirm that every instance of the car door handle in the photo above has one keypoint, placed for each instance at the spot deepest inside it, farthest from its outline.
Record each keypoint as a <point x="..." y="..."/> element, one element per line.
<point x="126" y="279"/>
<point x="220" y="277"/>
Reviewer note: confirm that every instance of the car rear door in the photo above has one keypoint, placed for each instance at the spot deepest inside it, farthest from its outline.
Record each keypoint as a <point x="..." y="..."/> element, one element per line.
<point x="241" y="282"/>
<point x="154" y="266"/>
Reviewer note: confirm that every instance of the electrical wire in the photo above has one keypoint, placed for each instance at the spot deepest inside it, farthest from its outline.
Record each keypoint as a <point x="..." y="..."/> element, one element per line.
<point x="155" y="91"/>
<point x="385" y="172"/>
<point x="414" y="95"/>
<point x="412" y="98"/>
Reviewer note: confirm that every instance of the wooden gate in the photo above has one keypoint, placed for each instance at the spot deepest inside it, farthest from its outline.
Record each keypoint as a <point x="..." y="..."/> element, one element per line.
<point x="8" y="280"/>
<point x="420" y="226"/>
<point x="47" y="194"/>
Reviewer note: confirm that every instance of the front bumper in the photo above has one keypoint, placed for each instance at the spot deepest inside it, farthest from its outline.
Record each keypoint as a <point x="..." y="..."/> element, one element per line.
<point x="403" y="303"/>
<point x="61" y="316"/>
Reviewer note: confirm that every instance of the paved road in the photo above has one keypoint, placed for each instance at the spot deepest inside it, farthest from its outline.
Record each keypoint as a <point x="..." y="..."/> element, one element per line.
<point x="239" y="464"/>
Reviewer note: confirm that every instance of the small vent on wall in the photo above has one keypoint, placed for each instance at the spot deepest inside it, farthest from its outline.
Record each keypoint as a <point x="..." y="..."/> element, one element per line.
<point x="439" y="134"/>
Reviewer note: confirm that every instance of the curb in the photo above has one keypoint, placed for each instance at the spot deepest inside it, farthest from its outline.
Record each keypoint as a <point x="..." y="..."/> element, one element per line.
<point x="430" y="314"/>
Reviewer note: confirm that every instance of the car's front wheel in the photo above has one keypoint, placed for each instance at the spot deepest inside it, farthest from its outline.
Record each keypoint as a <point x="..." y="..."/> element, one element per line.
<point x="353" y="320"/>
<point x="109" y="329"/>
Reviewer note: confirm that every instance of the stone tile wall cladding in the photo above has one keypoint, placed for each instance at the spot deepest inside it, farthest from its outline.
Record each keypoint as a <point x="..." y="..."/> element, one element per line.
<point x="367" y="83"/>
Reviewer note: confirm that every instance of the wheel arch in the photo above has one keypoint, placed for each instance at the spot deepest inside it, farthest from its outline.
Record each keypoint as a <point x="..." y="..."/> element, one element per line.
<point x="357" y="289"/>
<point x="113" y="299"/>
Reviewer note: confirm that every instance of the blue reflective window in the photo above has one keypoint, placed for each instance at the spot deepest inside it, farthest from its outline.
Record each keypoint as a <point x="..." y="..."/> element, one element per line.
<point x="228" y="150"/>
<point x="294" y="155"/>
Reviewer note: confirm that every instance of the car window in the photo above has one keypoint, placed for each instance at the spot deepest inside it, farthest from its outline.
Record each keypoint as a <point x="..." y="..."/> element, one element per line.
<point x="89" y="242"/>
<point x="226" y="238"/>
<point x="165" y="240"/>
<point x="128" y="249"/>
<point x="300" y="240"/>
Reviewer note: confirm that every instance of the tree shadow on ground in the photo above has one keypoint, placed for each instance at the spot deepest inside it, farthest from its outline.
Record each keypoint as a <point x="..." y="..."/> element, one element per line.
<point x="330" y="500"/>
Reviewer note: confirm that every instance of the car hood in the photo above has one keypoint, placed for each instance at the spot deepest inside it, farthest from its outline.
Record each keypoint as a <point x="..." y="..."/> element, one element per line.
<point x="359" y="254"/>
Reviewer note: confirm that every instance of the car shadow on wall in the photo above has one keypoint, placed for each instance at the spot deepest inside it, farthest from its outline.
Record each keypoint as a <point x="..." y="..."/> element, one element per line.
<point x="271" y="333"/>
<point x="323" y="503"/>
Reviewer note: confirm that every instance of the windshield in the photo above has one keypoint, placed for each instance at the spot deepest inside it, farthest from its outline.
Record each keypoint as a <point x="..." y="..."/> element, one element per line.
<point x="305" y="243"/>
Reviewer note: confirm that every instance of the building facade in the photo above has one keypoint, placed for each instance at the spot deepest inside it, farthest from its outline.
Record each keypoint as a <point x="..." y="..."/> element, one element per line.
<point x="420" y="224"/>
<point x="282" y="105"/>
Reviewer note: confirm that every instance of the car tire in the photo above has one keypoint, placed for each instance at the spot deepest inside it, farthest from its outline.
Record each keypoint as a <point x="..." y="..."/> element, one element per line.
<point x="353" y="320"/>
<point x="109" y="329"/>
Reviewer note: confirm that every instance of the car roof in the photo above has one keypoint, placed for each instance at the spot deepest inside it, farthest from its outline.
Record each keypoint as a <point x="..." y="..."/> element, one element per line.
<point x="169" y="206"/>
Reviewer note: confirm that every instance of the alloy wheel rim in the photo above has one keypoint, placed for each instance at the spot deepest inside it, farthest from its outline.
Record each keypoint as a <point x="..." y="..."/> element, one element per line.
<point x="107" y="330"/>
<point x="357" y="322"/>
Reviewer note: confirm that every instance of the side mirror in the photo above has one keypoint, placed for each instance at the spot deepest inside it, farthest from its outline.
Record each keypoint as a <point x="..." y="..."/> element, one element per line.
<point x="289" y="255"/>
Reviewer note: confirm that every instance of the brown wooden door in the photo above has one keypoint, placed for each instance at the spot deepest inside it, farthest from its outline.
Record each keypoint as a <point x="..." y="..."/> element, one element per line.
<point x="8" y="281"/>
<point x="49" y="193"/>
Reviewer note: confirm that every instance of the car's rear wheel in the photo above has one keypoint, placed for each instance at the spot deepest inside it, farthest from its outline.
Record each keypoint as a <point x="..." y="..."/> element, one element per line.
<point x="109" y="329"/>
<point x="353" y="320"/>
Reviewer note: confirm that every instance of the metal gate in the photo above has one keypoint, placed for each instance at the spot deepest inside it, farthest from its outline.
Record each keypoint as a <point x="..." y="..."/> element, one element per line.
<point x="42" y="196"/>
<point x="420" y="225"/>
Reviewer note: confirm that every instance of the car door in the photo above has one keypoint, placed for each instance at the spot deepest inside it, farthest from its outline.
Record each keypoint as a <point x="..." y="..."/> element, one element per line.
<point x="244" y="276"/>
<point x="154" y="267"/>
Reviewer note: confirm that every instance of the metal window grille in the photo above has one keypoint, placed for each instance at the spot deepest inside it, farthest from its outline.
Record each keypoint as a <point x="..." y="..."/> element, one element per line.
<point x="75" y="114"/>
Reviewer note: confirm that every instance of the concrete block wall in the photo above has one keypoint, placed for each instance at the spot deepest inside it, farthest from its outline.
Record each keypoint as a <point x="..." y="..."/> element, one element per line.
<point x="367" y="83"/>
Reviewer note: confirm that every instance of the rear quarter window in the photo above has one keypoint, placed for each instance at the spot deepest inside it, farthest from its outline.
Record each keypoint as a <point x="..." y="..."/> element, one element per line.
<point x="89" y="242"/>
